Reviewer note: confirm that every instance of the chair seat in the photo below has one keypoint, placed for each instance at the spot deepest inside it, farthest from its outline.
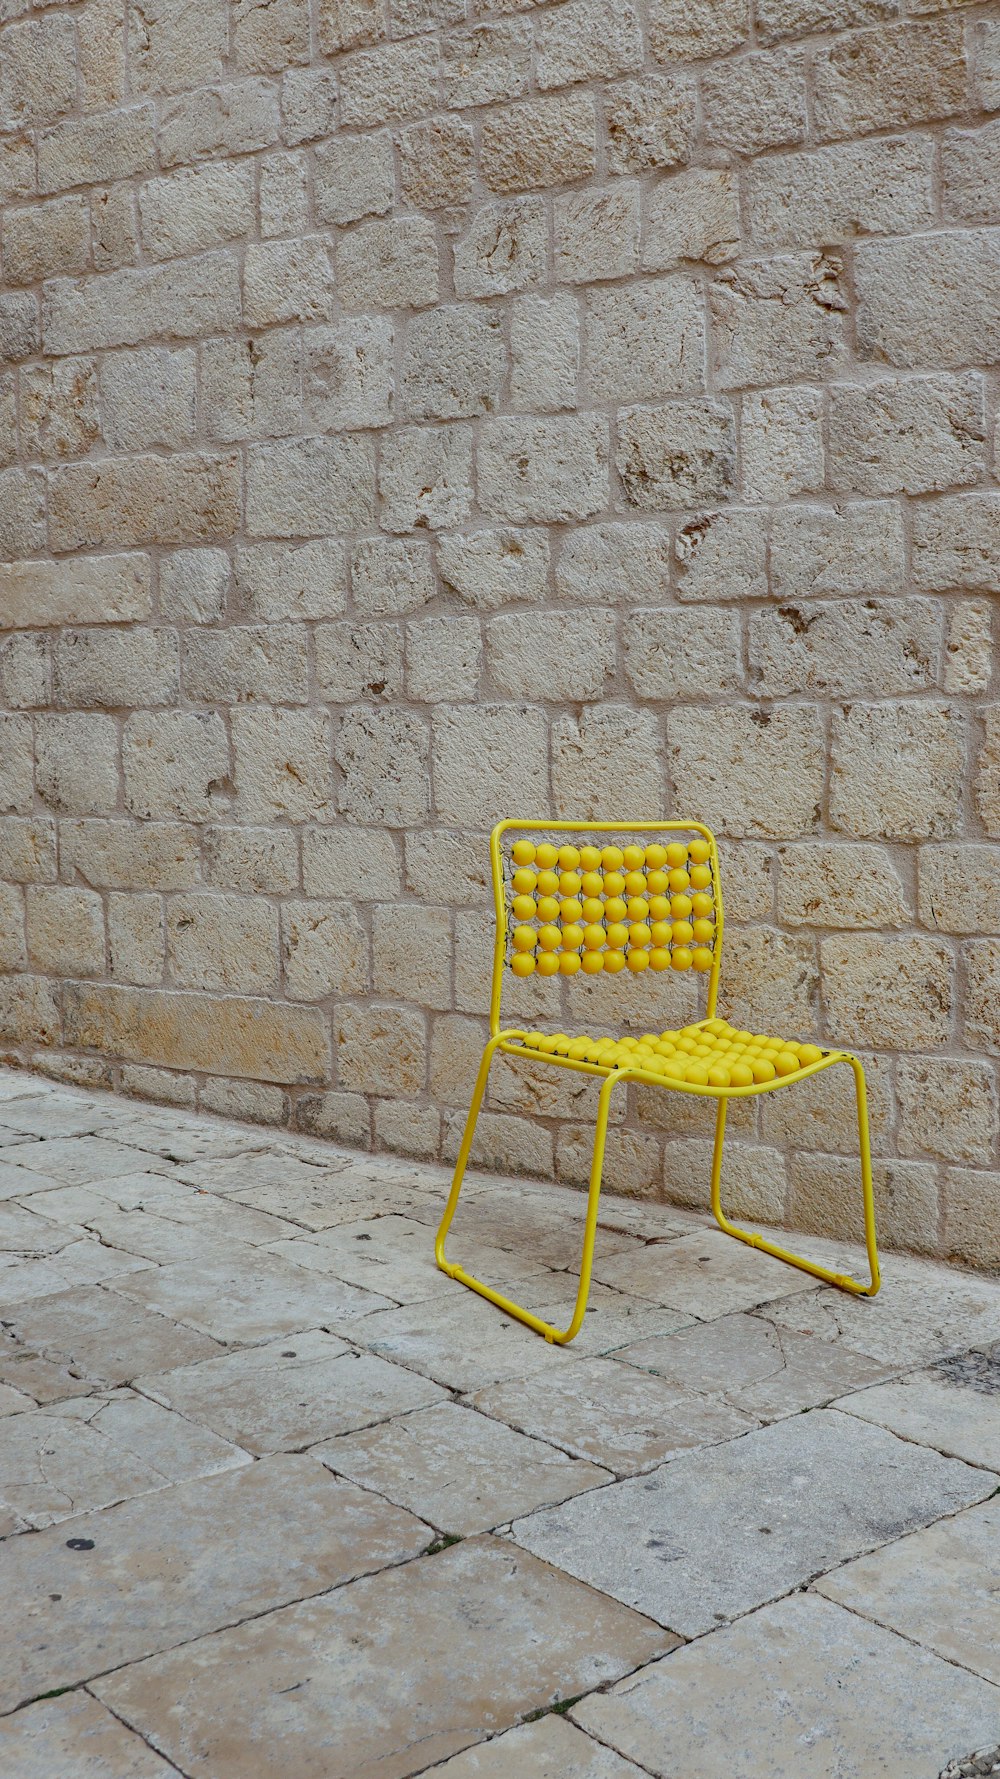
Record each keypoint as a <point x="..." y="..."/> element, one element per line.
<point x="710" y="1054"/>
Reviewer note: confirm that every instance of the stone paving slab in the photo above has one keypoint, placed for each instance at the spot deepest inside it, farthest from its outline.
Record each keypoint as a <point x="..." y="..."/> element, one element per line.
<point x="913" y="1320"/>
<point x="527" y="1225"/>
<point x="612" y="1414"/>
<point x="954" y="1407"/>
<point x="21" y="1182"/>
<point x="458" y="1469"/>
<point x="319" y="1201"/>
<point x="459" y="1339"/>
<point x="91" y="1451"/>
<point x="292" y="1392"/>
<point x="156" y="1193"/>
<point x="167" y="1567"/>
<point x="76" y="1161"/>
<point x="764" y="1370"/>
<point x="799" y="1690"/>
<point x="262" y="1167"/>
<point x="74" y="1737"/>
<point x="706" y="1274"/>
<point x="51" y="1115"/>
<point x="14" y="1402"/>
<point x="89" y="1339"/>
<point x="384" y="1678"/>
<point x="940" y="1587"/>
<point x="715" y="1533"/>
<point x="26" y="1232"/>
<point x="393" y="1256"/>
<point x="83" y="1262"/>
<point x="612" y="1319"/>
<point x="247" y="1297"/>
<point x="548" y="1749"/>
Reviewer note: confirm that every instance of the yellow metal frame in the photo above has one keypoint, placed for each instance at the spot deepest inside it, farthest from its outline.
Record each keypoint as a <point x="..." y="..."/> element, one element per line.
<point x="504" y="1041"/>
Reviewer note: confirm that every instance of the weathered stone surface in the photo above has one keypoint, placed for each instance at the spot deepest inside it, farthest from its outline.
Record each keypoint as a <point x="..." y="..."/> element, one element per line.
<point x="718" y="770"/>
<point x="539" y="1750"/>
<point x="249" y="1298"/>
<point x="913" y="1710"/>
<point x="76" y="1728"/>
<point x="954" y="1408"/>
<point x="85" y="1338"/>
<point x="244" y="1037"/>
<point x="920" y="798"/>
<point x="798" y="1496"/>
<point x="704" y="1275"/>
<point x="947" y="1108"/>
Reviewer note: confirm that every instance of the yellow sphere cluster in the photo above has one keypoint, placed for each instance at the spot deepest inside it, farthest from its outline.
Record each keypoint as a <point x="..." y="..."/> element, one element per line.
<point x="611" y="908"/>
<point x="713" y="1054"/>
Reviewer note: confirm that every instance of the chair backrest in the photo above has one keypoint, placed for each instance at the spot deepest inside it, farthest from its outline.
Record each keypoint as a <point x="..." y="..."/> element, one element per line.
<point x="614" y="897"/>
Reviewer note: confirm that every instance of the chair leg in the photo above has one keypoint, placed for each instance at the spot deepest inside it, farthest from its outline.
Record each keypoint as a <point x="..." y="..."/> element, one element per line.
<point x="843" y="1280"/>
<point x="560" y="1336"/>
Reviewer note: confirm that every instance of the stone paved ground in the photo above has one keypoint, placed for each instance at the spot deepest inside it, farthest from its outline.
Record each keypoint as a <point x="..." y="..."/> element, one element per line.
<point x="277" y="1498"/>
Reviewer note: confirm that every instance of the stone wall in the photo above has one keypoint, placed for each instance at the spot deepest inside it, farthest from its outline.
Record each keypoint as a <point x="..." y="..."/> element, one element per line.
<point x="409" y="416"/>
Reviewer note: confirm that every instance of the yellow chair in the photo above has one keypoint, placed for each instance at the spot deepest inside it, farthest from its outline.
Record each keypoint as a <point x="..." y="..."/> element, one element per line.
<point x="643" y="905"/>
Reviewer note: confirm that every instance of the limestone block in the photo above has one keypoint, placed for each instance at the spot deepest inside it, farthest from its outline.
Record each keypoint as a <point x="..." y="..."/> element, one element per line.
<point x="235" y="118"/>
<point x="173" y="44"/>
<point x="114" y="219"/>
<point x="76" y="770"/>
<point x="723" y="555"/>
<point x="65" y="930"/>
<point x="252" y="859"/>
<point x="645" y="339"/>
<point x="778" y="319"/>
<point x="220" y="941"/>
<point x="947" y="1108"/>
<point x="907" y="435"/>
<point x="348" y="374"/>
<point x="127" y="855"/>
<point x="269" y="36"/>
<point x="437" y="163"/>
<point x="956" y="542"/>
<point x="570" y="655"/>
<point x="545" y="352"/>
<point x="382" y="755"/>
<point x="920" y="797"/>
<point x="275" y="581"/>
<point x="25" y="681"/>
<point x="596" y="233"/>
<point x="792" y="18"/>
<point x="930" y="300"/>
<point x="359" y="661"/>
<point x="252" y="1039"/>
<point x="411" y="953"/>
<point x="196" y="208"/>
<point x="86" y="590"/>
<point x="454" y="363"/>
<point x="895" y="77"/>
<point x="340" y="1117"/>
<point x="181" y="301"/>
<point x="982" y="995"/>
<point x="678" y="454"/>
<point x="771" y="981"/>
<point x="354" y="176"/>
<point x="393" y="81"/>
<point x="987" y="782"/>
<point x="27" y="849"/>
<point x="503" y="249"/>
<point x="748" y="771"/>
<point x="693" y="30"/>
<point x="671" y="654"/>
<point x="345" y="23"/>
<point x="287" y="281"/>
<point x="781" y="443"/>
<point x="284" y="194"/>
<point x="324" y="950"/>
<point x="252" y="387"/>
<point x="38" y="78"/>
<point x="489" y="760"/>
<point x="116" y="669"/>
<point x="486" y="63"/>
<point x="193" y="585"/>
<point x="825" y="1199"/>
<point x="266" y="663"/>
<point x="425" y="478"/>
<point x="540" y="142"/>
<point x="18" y="327"/>
<point x="970" y="170"/>
<point x="445" y="866"/>
<point x="22" y="513"/>
<point x="389" y="265"/>
<point x="443" y="659"/>
<point x="650" y="122"/>
<point x="28" y="1011"/>
<point x="847" y="649"/>
<point x="968" y="650"/>
<point x="831" y="194"/>
<point x="614" y="564"/>
<point x="47" y="241"/>
<point x="693" y="216"/>
<point x="148" y="398"/>
<point x="309" y="487"/>
<point x="595" y="776"/>
<point x="381" y="1049"/>
<point x="350" y="863"/>
<point x="824" y="884"/>
<point x="281" y="765"/>
<point x="391" y="575"/>
<point x="756" y="102"/>
<point x="176" y="764"/>
<point x="970" y="1222"/>
<point x="851" y="549"/>
<point x="189" y="497"/>
<point x="960" y="888"/>
<point x="893" y="993"/>
<point x="547" y="469"/>
<point x="491" y="569"/>
<point x="825" y="1106"/>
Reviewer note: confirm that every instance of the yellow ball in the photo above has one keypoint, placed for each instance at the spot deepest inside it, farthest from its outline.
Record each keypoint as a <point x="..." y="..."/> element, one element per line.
<point x="660" y="931"/>
<point x="613" y="961"/>
<point x="549" y="938"/>
<point x="659" y="958"/>
<point x="614" y="883"/>
<point x="548" y="908"/>
<point x="680" y="907"/>
<point x="524" y="881"/>
<point x="572" y="937"/>
<point x="617" y="935"/>
<point x="561" y="1044"/>
<point x="719" y="1075"/>
<point x="569" y="882"/>
<point x="593" y="937"/>
<point x="677" y="853"/>
<point x="680" y="959"/>
<point x="679" y="880"/>
<point x="611" y="858"/>
<point x="762" y="1069"/>
<point x="590" y="857"/>
<point x="701" y="877"/>
<point x="702" y="904"/>
<point x="697" y="1074"/>
<point x="592" y="883"/>
<point x="524" y="907"/>
<point x="639" y="934"/>
<point x="700" y="851"/>
<point x="656" y="856"/>
<point x="701" y="958"/>
<point x="787" y="1063"/>
<point x="522" y="852"/>
<point x="675" y="1068"/>
<point x="592" y="961"/>
<point x="703" y="931"/>
<point x="809" y="1053"/>
<point x="570" y="911"/>
<point x="522" y="964"/>
<point x="548" y="883"/>
<point x="546" y="855"/>
<point x="682" y="932"/>
<point x="659" y="907"/>
<point x="593" y="910"/>
<point x="637" y="961"/>
<point x="635" y="883"/>
<point x="741" y="1075"/>
<point x="548" y="963"/>
<point x="638" y="907"/>
<point x="524" y="938"/>
<point x="633" y="857"/>
<point x="569" y="858"/>
<point x="548" y="1043"/>
<point x="657" y="882"/>
<point x="569" y="963"/>
<point x="577" y="1048"/>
